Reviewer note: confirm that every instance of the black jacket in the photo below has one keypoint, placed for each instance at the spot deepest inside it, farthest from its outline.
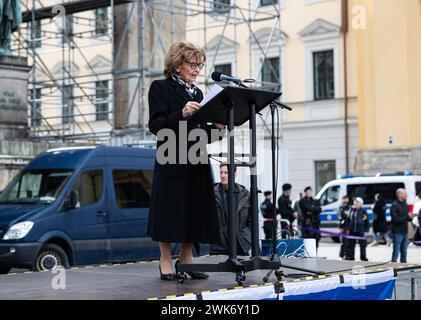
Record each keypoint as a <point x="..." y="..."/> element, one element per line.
<point x="357" y="224"/>
<point x="400" y="217"/>
<point x="268" y="209"/>
<point x="344" y="217"/>
<point x="379" y="220"/>
<point x="182" y="206"/>
<point x="310" y="210"/>
<point x="242" y="210"/>
<point x="285" y="209"/>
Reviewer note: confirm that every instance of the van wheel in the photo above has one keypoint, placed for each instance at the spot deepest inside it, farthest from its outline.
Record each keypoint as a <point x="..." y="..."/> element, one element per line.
<point x="5" y="270"/>
<point x="50" y="257"/>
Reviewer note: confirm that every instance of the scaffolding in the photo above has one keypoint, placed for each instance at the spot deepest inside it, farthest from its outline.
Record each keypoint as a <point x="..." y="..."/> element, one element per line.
<point x="69" y="105"/>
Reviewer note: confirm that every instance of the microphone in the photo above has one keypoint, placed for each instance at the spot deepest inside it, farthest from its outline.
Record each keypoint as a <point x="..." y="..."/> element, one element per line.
<point x="284" y="106"/>
<point x="219" y="76"/>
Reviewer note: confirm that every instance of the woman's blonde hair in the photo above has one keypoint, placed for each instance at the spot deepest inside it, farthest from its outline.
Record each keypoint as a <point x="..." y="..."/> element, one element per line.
<point x="180" y="52"/>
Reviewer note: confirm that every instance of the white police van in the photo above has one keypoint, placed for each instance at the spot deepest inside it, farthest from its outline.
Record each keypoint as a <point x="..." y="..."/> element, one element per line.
<point x="330" y="196"/>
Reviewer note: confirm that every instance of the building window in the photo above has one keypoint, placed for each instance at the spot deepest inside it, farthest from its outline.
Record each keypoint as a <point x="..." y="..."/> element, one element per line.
<point x="36" y="34"/>
<point x="221" y="5"/>
<point x="270" y="74"/>
<point x="224" y="68"/>
<point x="35" y="99"/>
<point x="132" y="188"/>
<point x="67" y="97"/>
<point x="325" y="172"/>
<point x="101" y="21"/>
<point x="68" y="31"/>
<point x="268" y="2"/>
<point x="101" y="100"/>
<point x="324" y="82"/>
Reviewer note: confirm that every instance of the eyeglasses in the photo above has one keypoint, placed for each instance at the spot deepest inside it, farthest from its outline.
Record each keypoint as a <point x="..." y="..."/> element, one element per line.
<point x="194" y="65"/>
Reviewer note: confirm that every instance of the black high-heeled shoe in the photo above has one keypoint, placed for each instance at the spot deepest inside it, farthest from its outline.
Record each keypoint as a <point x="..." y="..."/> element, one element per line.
<point x="166" y="277"/>
<point x="195" y="275"/>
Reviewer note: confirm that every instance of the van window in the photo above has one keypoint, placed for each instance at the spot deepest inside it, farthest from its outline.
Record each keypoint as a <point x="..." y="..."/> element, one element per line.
<point x="89" y="186"/>
<point x="331" y="195"/>
<point x="132" y="188"/>
<point x="417" y="188"/>
<point x="35" y="186"/>
<point x="368" y="191"/>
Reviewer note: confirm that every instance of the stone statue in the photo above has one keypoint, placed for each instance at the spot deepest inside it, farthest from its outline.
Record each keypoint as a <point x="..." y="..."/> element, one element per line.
<point x="10" y="19"/>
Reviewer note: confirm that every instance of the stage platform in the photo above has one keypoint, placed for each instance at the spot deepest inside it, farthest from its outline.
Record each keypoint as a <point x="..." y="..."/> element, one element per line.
<point x="140" y="280"/>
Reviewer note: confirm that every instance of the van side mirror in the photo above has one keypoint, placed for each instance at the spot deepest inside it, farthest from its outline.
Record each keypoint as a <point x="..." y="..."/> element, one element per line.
<point x="72" y="200"/>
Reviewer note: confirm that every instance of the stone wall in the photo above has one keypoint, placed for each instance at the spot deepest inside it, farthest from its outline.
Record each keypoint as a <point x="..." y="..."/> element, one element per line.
<point x="13" y="97"/>
<point x="369" y="162"/>
<point x="14" y="155"/>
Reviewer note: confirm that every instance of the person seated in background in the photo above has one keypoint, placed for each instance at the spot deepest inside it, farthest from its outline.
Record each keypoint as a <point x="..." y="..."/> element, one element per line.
<point x="358" y="228"/>
<point x="241" y="209"/>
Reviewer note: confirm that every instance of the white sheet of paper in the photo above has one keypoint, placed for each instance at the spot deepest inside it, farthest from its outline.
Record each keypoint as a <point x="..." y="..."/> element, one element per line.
<point x="214" y="90"/>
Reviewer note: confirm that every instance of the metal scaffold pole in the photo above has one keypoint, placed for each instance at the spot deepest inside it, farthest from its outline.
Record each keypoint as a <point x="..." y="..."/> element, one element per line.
<point x="70" y="88"/>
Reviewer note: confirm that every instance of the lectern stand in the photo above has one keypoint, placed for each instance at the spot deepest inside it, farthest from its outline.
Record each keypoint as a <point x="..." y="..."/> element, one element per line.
<point x="234" y="106"/>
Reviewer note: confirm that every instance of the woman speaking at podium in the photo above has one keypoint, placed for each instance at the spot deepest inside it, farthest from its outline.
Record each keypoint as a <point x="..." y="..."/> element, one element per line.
<point x="182" y="208"/>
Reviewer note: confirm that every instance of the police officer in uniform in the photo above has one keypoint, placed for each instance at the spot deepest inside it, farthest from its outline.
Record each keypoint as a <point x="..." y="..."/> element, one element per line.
<point x="268" y="210"/>
<point x="285" y="210"/>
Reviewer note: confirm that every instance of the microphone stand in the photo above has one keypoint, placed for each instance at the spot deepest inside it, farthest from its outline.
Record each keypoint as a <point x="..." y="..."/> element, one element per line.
<point x="275" y="255"/>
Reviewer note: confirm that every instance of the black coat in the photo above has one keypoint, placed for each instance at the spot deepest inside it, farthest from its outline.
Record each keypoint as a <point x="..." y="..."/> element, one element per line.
<point x="285" y="209"/>
<point x="344" y="217"/>
<point x="310" y="210"/>
<point x="357" y="224"/>
<point x="379" y="221"/>
<point x="400" y="217"/>
<point x="268" y="209"/>
<point x="243" y="213"/>
<point x="183" y="207"/>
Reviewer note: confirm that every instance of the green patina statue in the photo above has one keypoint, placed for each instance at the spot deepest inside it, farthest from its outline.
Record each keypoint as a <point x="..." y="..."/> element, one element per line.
<point x="10" y="19"/>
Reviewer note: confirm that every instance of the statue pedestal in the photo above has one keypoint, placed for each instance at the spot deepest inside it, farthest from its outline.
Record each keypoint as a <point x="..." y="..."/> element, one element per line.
<point x="14" y="73"/>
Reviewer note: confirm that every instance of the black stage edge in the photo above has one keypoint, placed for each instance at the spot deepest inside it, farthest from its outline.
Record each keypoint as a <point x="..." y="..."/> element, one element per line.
<point x="140" y="280"/>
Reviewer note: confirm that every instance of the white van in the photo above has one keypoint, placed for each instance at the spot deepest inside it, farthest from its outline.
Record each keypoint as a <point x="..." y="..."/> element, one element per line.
<point x="330" y="196"/>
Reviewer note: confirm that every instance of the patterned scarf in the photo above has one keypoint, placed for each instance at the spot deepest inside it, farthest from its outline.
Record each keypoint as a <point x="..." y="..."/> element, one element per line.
<point x="191" y="90"/>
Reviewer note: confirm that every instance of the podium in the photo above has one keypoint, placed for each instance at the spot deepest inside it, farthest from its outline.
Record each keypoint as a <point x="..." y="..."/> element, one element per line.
<point x="234" y="106"/>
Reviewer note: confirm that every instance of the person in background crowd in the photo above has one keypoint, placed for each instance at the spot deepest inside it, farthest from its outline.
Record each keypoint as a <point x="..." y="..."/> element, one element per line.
<point x="344" y="225"/>
<point x="417" y="206"/>
<point x="285" y="209"/>
<point x="268" y="209"/>
<point x="296" y="208"/>
<point x="310" y="221"/>
<point x="400" y="217"/>
<point x="379" y="220"/>
<point x="241" y="209"/>
<point x="416" y="221"/>
<point x="358" y="227"/>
